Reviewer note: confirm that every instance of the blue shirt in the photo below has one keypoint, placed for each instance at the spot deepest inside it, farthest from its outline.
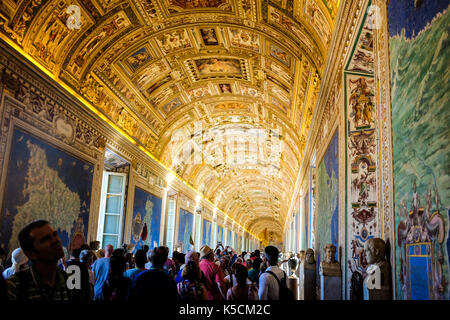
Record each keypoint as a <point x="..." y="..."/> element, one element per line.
<point x="179" y="278"/>
<point x="131" y="273"/>
<point x="101" y="271"/>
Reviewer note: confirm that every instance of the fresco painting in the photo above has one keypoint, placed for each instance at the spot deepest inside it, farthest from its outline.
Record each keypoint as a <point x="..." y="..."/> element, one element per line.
<point x="138" y="58"/>
<point x="158" y="84"/>
<point x="172" y="105"/>
<point x="361" y="144"/>
<point x="146" y="215"/>
<point x="187" y="4"/>
<point x="420" y="93"/>
<point x="280" y="55"/>
<point x="225" y="88"/>
<point x="243" y="39"/>
<point x="174" y="41"/>
<point x="209" y="37"/>
<point x="218" y="65"/>
<point x="44" y="182"/>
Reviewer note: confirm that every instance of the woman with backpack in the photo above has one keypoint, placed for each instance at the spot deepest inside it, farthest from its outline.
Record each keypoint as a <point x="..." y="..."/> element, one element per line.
<point x="191" y="288"/>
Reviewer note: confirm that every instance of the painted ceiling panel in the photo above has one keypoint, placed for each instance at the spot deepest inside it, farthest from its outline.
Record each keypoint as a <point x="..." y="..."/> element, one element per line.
<point x="220" y="91"/>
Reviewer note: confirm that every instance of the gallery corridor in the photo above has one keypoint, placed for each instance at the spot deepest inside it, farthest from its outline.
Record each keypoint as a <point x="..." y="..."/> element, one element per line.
<point x="306" y="136"/>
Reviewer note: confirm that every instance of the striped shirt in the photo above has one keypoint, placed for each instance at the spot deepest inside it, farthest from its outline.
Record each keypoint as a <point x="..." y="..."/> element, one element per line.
<point x="35" y="288"/>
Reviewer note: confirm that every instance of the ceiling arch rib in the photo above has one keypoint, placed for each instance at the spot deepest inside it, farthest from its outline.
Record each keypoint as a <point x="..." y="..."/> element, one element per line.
<point x="158" y="67"/>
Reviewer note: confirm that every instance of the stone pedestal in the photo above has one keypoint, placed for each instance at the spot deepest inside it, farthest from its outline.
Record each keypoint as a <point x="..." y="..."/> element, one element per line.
<point x="376" y="294"/>
<point x="300" y="275"/>
<point x="293" y="285"/>
<point x="308" y="289"/>
<point x="376" y="285"/>
<point x="330" y="287"/>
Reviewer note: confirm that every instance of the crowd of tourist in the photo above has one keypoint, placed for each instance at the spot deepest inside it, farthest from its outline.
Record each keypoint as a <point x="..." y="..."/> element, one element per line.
<point x="39" y="272"/>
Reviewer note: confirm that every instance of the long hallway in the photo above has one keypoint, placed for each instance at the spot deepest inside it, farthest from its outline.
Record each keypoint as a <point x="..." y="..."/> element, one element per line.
<point x="316" y="127"/>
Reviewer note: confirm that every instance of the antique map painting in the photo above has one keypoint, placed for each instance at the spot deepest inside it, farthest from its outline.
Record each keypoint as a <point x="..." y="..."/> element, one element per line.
<point x="328" y="192"/>
<point x="419" y="60"/>
<point x="185" y="229"/>
<point x="44" y="182"/>
<point x="147" y="218"/>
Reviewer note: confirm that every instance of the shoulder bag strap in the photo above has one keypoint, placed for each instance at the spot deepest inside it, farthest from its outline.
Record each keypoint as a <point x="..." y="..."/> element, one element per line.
<point x="276" y="278"/>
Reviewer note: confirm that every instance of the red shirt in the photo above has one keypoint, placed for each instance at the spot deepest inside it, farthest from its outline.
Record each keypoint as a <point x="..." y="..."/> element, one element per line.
<point x="213" y="275"/>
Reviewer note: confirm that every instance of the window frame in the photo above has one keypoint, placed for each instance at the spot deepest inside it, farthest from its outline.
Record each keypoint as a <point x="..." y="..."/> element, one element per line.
<point x="102" y="210"/>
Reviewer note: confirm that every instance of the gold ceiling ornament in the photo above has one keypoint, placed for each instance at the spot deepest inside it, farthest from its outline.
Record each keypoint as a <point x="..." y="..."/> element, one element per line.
<point x="234" y="82"/>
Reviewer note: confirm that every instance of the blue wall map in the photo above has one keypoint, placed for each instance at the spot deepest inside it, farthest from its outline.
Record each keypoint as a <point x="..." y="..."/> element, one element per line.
<point x="220" y="234"/>
<point x="419" y="54"/>
<point x="146" y="212"/>
<point x="328" y="204"/>
<point x="44" y="182"/>
<point x="185" y="229"/>
<point x="207" y="229"/>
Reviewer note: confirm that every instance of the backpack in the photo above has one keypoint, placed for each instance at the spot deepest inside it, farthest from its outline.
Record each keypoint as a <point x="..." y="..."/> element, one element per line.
<point x="285" y="293"/>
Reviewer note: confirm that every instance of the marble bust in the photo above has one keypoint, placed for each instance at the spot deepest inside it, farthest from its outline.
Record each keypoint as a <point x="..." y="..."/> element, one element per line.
<point x="329" y="266"/>
<point x="301" y="256"/>
<point x="309" y="262"/>
<point x="377" y="280"/>
<point x="292" y="263"/>
<point x="308" y="276"/>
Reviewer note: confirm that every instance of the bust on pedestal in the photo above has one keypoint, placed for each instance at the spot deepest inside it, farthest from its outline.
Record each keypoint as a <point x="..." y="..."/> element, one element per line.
<point x="330" y="275"/>
<point x="377" y="281"/>
<point x="293" y="279"/>
<point x="308" y="276"/>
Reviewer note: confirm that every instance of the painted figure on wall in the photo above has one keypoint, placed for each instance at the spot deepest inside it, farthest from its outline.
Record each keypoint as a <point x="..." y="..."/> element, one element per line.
<point x="420" y="94"/>
<point x="146" y="219"/>
<point x="44" y="182"/>
<point x="361" y="102"/>
<point x="363" y="56"/>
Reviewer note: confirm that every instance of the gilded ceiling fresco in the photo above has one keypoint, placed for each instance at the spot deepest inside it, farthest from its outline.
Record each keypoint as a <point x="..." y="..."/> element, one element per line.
<point x="221" y="91"/>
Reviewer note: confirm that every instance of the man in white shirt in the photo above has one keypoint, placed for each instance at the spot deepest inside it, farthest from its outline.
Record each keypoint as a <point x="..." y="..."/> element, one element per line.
<point x="268" y="285"/>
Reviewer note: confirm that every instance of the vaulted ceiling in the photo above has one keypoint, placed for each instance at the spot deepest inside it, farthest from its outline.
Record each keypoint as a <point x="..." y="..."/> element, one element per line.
<point x="221" y="91"/>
